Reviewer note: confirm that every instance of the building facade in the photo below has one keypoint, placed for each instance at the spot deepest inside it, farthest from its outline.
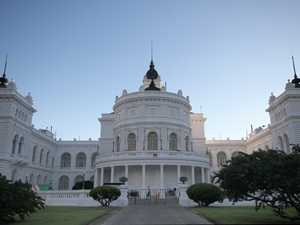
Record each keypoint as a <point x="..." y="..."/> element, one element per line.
<point x="151" y="137"/>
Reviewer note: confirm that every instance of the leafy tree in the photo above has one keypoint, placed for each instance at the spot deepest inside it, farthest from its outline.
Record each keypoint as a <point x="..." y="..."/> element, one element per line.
<point x="270" y="178"/>
<point x="88" y="185"/>
<point x="17" y="198"/>
<point x="105" y="194"/>
<point x="204" y="194"/>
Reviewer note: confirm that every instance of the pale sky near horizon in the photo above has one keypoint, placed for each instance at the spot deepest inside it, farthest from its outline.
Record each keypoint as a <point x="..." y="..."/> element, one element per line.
<point x="74" y="57"/>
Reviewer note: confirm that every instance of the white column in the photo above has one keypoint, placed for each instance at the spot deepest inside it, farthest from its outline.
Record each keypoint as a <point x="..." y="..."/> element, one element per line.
<point x="178" y="173"/>
<point x="112" y="174"/>
<point x="96" y="178"/>
<point x="126" y="173"/>
<point x="144" y="176"/>
<point x="208" y="175"/>
<point x="162" y="176"/>
<point x="202" y="175"/>
<point x="102" y="176"/>
<point x="193" y="174"/>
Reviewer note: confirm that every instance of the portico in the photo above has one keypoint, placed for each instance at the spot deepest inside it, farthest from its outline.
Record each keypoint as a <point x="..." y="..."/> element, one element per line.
<point x="146" y="171"/>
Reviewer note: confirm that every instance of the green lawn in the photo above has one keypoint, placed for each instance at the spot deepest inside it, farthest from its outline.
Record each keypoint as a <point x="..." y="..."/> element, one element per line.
<point x="244" y="215"/>
<point x="64" y="215"/>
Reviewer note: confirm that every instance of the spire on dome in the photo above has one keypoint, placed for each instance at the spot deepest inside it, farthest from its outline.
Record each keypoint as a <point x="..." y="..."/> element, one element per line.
<point x="152" y="74"/>
<point x="3" y="79"/>
<point x="296" y="80"/>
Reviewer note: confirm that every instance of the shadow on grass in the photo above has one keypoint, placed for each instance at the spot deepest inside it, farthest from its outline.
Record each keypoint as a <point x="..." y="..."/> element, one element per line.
<point x="243" y="215"/>
<point x="65" y="215"/>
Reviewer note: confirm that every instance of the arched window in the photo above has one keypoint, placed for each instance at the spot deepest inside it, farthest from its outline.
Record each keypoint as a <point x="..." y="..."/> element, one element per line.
<point x="63" y="183"/>
<point x="117" y="144"/>
<point x="131" y="142"/>
<point x="235" y="154"/>
<point x="39" y="180"/>
<point x="31" y="181"/>
<point x="80" y="160"/>
<point x="210" y="157"/>
<point x="47" y="156"/>
<point x="41" y="156"/>
<point x="92" y="178"/>
<point x="173" y="141"/>
<point x="221" y="158"/>
<point x="78" y="178"/>
<point x="14" y="144"/>
<point x="20" y="145"/>
<point x="187" y="140"/>
<point x="266" y="147"/>
<point x="152" y="141"/>
<point x="287" y="143"/>
<point x="45" y="180"/>
<point x="33" y="153"/>
<point x="65" y="160"/>
<point x="14" y="175"/>
<point x="53" y="161"/>
<point x="93" y="159"/>
<point x="280" y="142"/>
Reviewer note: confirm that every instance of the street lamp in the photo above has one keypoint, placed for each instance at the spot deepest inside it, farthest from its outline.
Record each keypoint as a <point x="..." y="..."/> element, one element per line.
<point x="83" y="180"/>
<point x="26" y="178"/>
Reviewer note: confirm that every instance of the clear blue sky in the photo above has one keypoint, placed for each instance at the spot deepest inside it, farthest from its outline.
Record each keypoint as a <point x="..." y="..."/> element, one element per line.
<point x="74" y="57"/>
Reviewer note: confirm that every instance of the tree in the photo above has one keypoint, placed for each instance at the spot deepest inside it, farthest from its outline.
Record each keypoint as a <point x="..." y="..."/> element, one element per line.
<point x="17" y="198"/>
<point x="105" y="194"/>
<point x="204" y="194"/>
<point x="270" y="178"/>
<point x="88" y="185"/>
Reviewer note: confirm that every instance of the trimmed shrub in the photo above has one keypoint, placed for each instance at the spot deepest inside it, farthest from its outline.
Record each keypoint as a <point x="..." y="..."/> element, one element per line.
<point x="105" y="194"/>
<point x="88" y="185"/>
<point x="17" y="198"/>
<point x="204" y="194"/>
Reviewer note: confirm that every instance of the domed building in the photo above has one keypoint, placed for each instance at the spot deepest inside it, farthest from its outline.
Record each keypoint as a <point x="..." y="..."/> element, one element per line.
<point x="152" y="138"/>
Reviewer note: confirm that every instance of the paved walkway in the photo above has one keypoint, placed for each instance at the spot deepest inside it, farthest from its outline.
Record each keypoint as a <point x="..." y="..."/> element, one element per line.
<point x="155" y="214"/>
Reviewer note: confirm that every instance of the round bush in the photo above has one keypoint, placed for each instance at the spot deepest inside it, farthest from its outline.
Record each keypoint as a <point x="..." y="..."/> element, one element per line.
<point x="204" y="194"/>
<point x="105" y="194"/>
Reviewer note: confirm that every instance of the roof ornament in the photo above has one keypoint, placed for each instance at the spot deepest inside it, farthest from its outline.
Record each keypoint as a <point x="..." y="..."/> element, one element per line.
<point x="296" y="80"/>
<point x="152" y="51"/>
<point x="152" y="74"/>
<point x="3" y="79"/>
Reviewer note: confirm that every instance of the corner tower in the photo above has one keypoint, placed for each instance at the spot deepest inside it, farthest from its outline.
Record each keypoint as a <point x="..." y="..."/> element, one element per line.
<point x="284" y="114"/>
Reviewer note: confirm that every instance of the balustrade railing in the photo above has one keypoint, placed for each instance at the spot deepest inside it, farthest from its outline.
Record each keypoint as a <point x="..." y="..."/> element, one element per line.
<point x="148" y="154"/>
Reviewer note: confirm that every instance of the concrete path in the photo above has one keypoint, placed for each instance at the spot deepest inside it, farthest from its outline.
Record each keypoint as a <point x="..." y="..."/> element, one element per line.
<point x="155" y="214"/>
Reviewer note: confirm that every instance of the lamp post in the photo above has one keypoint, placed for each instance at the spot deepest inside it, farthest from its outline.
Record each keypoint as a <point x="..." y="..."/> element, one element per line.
<point x="83" y="181"/>
<point x="26" y="178"/>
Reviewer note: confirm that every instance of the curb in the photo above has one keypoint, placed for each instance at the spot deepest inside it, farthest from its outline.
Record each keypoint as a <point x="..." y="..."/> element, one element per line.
<point x="104" y="217"/>
<point x="204" y="216"/>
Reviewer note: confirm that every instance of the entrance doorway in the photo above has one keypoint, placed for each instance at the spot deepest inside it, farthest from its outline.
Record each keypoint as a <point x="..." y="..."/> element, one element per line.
<point x="153" y="196"/>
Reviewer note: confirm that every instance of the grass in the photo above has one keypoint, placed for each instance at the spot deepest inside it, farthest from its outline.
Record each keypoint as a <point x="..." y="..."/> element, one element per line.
<point x="64" y="215"/>
<point x="245" y="215"/>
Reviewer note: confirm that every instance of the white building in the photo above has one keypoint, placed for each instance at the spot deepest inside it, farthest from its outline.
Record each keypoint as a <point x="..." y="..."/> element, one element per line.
<point x="152" y="137"/>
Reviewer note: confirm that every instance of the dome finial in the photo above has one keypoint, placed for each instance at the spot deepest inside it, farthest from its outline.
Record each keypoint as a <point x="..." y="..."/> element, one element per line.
<point x="152" y="52"/>
<point x="3" y="79"/>
<point x="152" y="74"/>
<point x="296" y="80"/>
